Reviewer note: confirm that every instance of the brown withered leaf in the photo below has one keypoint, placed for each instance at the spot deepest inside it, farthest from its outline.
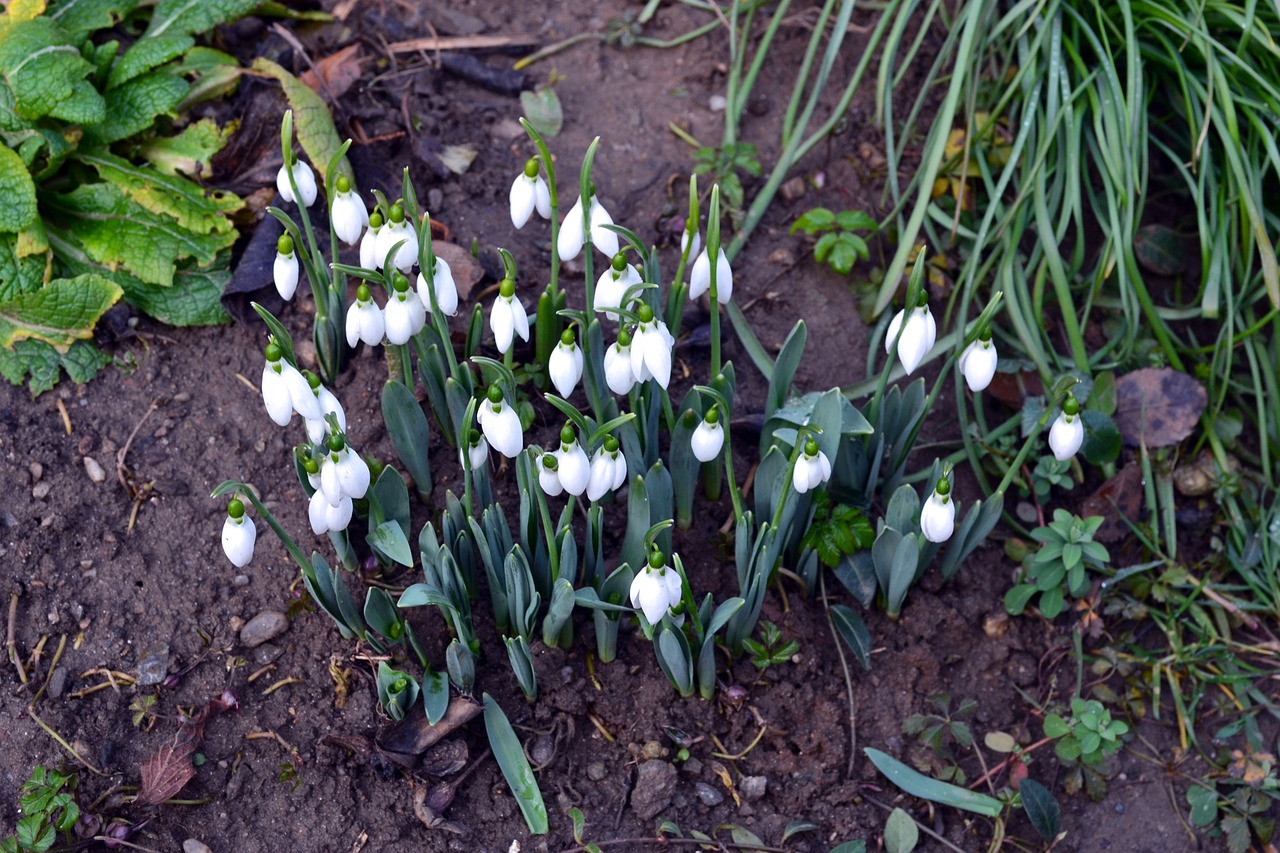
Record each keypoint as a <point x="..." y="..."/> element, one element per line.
<point x="1158" y="406"/>
<point x="339" y="71"/>
<point x="165" y="773"/>
<point x="1115" y="500"/>
<point x="413" y="735"/>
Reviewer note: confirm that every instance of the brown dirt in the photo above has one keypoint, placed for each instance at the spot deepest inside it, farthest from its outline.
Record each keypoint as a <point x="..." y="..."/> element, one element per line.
<point x="119" y="595"/>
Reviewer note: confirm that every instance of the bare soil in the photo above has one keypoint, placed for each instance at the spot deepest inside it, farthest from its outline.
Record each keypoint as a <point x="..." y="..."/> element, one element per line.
<point x="123" y="580"/>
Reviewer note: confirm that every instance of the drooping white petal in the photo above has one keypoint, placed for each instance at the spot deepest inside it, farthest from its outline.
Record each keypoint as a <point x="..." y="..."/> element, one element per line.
<point x="348" y="217"/>
<point x="542" y="198"/>
<point x="611" y="289"/>
<point x="478" y="454"/>
<point x="673" y="585"/>
<point x="338" y="517"/>
<point x="331" y="482"/>
<point x="549" y="481"/>
<point x="284" y="272"/>
<point x="978" y="364"/>
<point x="328" y="405"/>
<point x="649" y="593"/>
<point x="238" y="538"/>
<point x="519" y="319"/>
<point x="917" y="339"/>
<point x="318" y="513"/>
<point x="392" y="233"/>
<point x="700" y="277"/>
<point x="569" y="242"/>
<point x="617" y="369"/>
<point x="275" y="394"/>
<point x="601" y="475"/>
<point x="938" y="518"/>
<point x="369" y="249"/>
<point x="353" y="473"/>
<point x="824" y="468"/>
<point x="502" y="428"/>
<point x="399" y="317"/>
<point x="565" y="368"/>
<point x="684" y="243"/>
<point x="305" y="179"/>
<point x="445" y="287"/>
<point x="651" y="353"/>
<point x="1065" y="436"/>
<point x="502" y="323"/>
<point x="619" y="472"/>
<point x="365" y="323"/>
<point x="706" y="441"/>
<point x="575" y="469"/>
<point x="522" y="199"/>
<point x="300" y="393"/>
<point x="602" y="238"/>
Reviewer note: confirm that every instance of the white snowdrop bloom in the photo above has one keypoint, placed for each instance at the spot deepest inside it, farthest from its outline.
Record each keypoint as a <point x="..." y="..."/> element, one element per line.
<point x="353" y="472"/>
<point x="700" y="277"/>
<point x="347" y="215"/>
<point x="938" y="515"/>
<point x="978" y="362"/>
<point x="501" y="424"/>
<point x="529" y="192"/>
<point x="708" y="437"/>
<point x="404" y="314"/>
<point x="397" y="229"/>
<point x="653" y="592"/>
<point x="302" y="392"/>
<point x="691" y="241"/>
<point x="1067" y="433"/>
<point x="612" y="286"/>
<point x="573" y="234"/>
<point x="917" y="338"/>
<point x="572" y="463"/>
<point x="369" y="243"/>
<point x="284" y="272"/>
<point x="608" y="470"/>
<point x="305" y="179"/>
<point x="651" y="345"/>
<point x="565" y="365"/>
<point x="275" y="389"/>
<point x="238" y="535"/>
<point x="812" y="468"/>
<point x="477" y="451"/>
<point x="617" y="365"/>
<point x="326" y="517"/>
<point x="507" y="318"/>
<point x="329" y="405"/>
<point x="338" y="517"/>
<point x="364" y="319"/>
<point x="445" y="289"/>
<point x="619" y="467"/>
<point x="549" y="475"/>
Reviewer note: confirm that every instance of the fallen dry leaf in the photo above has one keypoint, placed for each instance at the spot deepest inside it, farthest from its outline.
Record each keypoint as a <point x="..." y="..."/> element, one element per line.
<point x="339" y="71"/>
<point x="1158" y="406"/>
<point x="465" y="268"/>
<point x="1117" y="499"/>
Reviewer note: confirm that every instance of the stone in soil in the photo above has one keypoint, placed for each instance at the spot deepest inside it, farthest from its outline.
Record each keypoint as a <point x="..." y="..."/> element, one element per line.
<point x="655" y="785"/>
<point x="191" y="845"/>
<point x="753" y="787"/>
<point x="94" y="470"/>
<point x="267" y="625"/>
<point x="708" y="795"/>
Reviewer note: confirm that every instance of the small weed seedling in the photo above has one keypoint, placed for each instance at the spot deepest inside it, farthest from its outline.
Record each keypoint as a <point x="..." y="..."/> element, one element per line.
<point x="937" y="732"/>
<point x="1058" y="568"/>
<point x="770" y="649"/>
<point x="48" y="808"/>
<point x="839" y="246"/>
<point x="1086" y="740"/>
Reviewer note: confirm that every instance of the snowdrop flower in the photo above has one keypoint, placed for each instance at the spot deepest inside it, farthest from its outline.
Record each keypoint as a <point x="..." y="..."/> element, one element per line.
<point x="364" y="319"/>
<point x="708" y="437"/>
<point x="978" y="362"/>
<point x="326" y="517"/>
<point x="369" y="243"/>
<point x="611" y="287"/>
<point x="347" y="214"/>
<point x="303" y="393"/>
<point x="700" y="277"/>
<point x="329" y="405"/>
<point x="691" y="240"/>
<point x="549" y="475"/>
<point x="501" y="424"/>
<point x="565" y="364"/>
<point x="404" y="314"/>
<point x="812" y="468"/>
<point x="572" y="463"/>
<point x="657" y="589"/>
<point x="285" y="269"/>
<point x="344" y="474"/>
<point x="917" y="337"/>
<point x="1067" y="433"/>
<point x="608" y="470"/>
<point x="938" y="515"/>
<point x="617" y="365"/>
<point x="508" y="317"/>
<point x="651" y="348"/>
<point x="477" y="450"/>
<point x="275" y="388"/>
<point x="397" y="229"/>
<point x="238" y="535"/>
<point x="530" y="192"/>
<point x="303" y="177"/>
<point x="446" y="290"/>
<point x="573" y="235"/>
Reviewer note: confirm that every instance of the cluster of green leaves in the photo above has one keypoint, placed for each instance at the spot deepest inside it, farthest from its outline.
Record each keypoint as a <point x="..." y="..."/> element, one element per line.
<point x="1058" y="568"/>
<point x="1088" y="736"/>
<point x="101" y="206"/>
<point x="837" y="531"/>
<point x="839" y="247"/>
<point x="770" y="649"/>
<point x="723" y="165"/>
<point x="48" y="808"/>
<point x="938" y="732"/>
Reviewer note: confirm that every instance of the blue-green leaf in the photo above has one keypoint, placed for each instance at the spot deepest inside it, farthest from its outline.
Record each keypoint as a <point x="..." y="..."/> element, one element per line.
<point x="510" y="756"/>
<point x="919" y="785"/>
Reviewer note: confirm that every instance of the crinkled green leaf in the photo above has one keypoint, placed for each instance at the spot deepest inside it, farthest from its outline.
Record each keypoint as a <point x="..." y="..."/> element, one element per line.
<point x="61" y="312"/>
<point x="24" y="10"/>
<point x="212" y="74"/>
<point x="133" y="106"/>
<point x="18" y="275"/>
<point x="273" y="9"/>
<point x="78" y="18"/>
<point x="189" y="17"/>
<point x="18" y="191"/>
<point x="120" y="233"/>
<point x="195" y="208"/>
<point x="311" y="119"/>
<point x="191" y="151"/>
<point x="146" y="54"/>
<point x="46" y="72"/>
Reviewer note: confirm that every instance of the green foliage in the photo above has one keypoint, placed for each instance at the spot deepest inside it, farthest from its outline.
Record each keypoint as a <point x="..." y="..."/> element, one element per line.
<point x="937" y="733"/>
<point x="84" y="226"/>
<point x="723" y="165"/>
<point x="1088" y="736"/>
<point x="837" y="530"/>
<point x="839" y="247"/>
<point x="48" y="808"/>
<point x="1058" y="568"/>
<point x="1050" y="473"/>
<point x="770" y="649"/>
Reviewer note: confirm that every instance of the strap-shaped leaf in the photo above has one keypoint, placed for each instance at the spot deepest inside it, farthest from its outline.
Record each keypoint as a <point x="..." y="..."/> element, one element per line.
<point x="511" y="759"/>
<point x="919" y="785"/>
<point x="854" y="632"/>
<point x="410" y="435"/>
<point x="311" y="117"/>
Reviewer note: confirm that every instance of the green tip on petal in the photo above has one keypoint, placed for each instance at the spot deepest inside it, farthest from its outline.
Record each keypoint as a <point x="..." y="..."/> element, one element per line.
<point x="1070" y="407"/>
<point x="285" y="245"/>
<point x="507" y="289"/>
<point x="656" y="559"/>
<point x="235" y="508"/>
<point x="495" y="394"/>
<point x="344" y="186"/>
<point x="566" y="435"/>
<point x="531" y="167"/>
<point x="567" y="338"/>
<point x="619" y="262"/>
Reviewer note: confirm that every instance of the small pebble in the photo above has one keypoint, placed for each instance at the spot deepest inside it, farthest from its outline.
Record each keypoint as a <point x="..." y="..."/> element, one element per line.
<point x="57" y="681"/>
<point x="543" y="750"/>
<point x="193" y="846"/>
<point x="265" y="626"/>
<point x="266" y="653"/>
<point x="708" y="795"/>
<point x="41" y="491"/>
<point x="753" y="787"/>
<point x="37" y="471"/>
<point x="181" y="397"/>
<point x="240" y="580"/>
<point x="596" y="771"/>
<point x="94" y="470"/>
<point x="717" y="103"/>
<point x="435" y="199"/>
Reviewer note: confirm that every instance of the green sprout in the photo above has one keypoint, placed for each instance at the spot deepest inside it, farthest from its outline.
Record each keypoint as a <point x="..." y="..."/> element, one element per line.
<point x="1058" y="568"/>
